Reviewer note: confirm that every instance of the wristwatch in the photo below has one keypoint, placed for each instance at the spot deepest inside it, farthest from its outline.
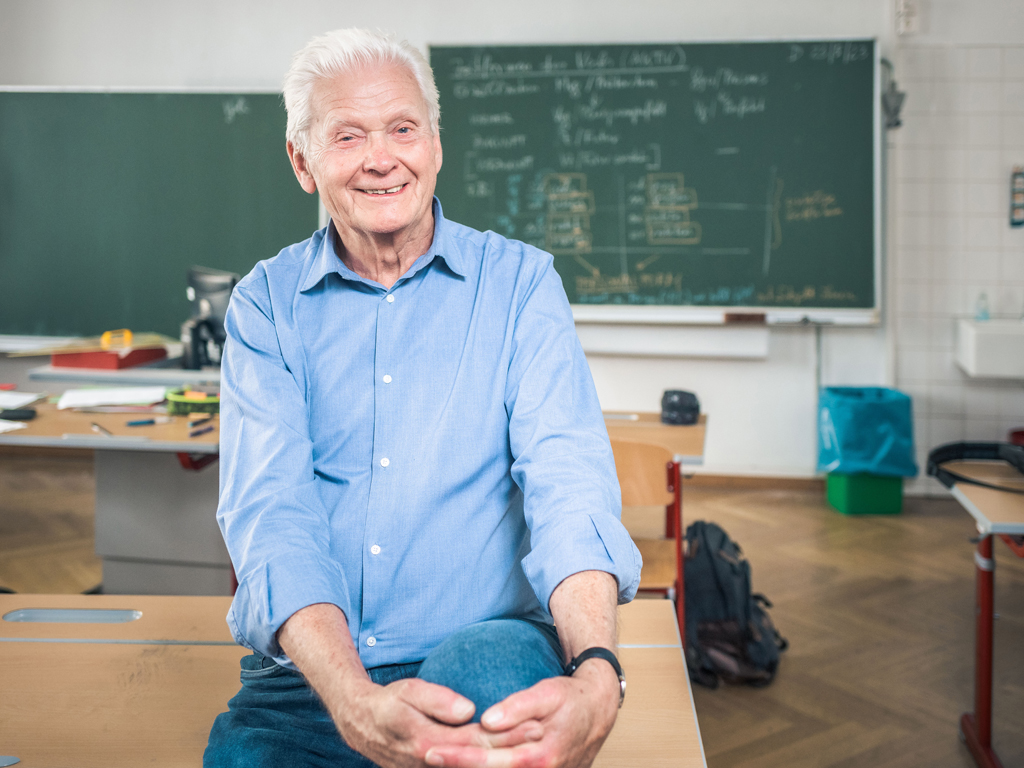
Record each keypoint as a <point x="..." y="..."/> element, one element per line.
<point x="600" y="653"/>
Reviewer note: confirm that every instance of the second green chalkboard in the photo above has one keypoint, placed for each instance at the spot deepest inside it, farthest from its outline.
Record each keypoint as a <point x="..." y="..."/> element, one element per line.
<point x="725" y="174"/>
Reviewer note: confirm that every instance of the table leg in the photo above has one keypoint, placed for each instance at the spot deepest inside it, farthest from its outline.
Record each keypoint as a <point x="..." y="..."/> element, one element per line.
<point x="976" y="727"/>
<point x="156" y="526"/>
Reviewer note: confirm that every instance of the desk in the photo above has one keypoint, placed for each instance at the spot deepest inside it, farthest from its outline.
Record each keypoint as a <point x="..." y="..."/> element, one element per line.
<point x="995" y="513"/>
<point x="144" y="375"/>
<point x="140" y="693"/>
<point x="685" y="442"/>
<point x="156" y="527"/>
<point x="147" y="691"/>
<point x="657" y="725"/>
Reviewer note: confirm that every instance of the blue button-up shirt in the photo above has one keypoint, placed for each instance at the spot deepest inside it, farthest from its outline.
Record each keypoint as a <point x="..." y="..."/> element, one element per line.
<point x="424" y="457"/>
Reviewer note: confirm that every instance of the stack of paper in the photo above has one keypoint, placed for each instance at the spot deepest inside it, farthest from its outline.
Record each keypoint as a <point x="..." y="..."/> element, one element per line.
<point x="91" y="398"/>
<point x="17" y="399"/>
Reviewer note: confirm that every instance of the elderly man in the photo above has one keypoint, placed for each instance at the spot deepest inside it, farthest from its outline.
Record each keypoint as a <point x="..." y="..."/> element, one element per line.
<point x="418" y="493"/>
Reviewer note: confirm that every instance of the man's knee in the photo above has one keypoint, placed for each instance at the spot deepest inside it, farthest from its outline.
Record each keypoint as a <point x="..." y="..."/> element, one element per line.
<point x="490" y="661"/>
<point x="276" y="719"/>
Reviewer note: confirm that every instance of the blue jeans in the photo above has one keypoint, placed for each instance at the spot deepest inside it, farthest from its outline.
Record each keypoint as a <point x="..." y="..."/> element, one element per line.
<point x="277" y="719"/>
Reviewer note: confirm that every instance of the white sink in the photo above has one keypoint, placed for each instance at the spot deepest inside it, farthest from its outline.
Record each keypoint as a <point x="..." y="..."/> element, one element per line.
<point x="992" y="349"/>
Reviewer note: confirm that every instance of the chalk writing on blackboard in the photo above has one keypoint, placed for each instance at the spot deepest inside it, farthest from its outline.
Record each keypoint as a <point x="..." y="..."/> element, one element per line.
<point x="710" y="174"/>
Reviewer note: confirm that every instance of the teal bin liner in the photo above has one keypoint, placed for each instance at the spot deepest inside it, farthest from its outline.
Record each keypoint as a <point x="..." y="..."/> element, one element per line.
<point x="866" y="429"/>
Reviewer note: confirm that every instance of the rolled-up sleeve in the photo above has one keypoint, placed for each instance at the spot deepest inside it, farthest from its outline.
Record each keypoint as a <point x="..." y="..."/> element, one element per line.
<point x="270" y="512"/>
<point x="563" y="460"/>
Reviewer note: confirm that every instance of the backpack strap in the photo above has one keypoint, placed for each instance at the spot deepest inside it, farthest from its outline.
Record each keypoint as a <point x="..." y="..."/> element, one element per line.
<point x="1011" y="454"/>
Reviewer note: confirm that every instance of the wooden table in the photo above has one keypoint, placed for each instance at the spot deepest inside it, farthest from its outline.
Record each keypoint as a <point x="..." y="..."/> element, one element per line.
<point x="685" y="442"/>
<point x="657" y="725"/>
<point x="156" y="499"/>
<point x="72" y="429"/>
<point x="167" y="373"/>
<point x="996" y="513"/>
<point x="147" y="691"/>
<point x="140" y="693"/>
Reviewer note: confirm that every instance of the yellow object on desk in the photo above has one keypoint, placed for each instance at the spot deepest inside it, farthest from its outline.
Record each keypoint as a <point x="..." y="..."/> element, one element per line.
<point x="119" y="339"/>
<point x="116" y="340"/>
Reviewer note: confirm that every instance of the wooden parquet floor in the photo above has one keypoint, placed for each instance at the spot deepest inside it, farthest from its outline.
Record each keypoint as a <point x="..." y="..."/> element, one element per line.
<point x="46" y="524"/>
<point x="878" y="612"/>
<point x="879" y="615"/>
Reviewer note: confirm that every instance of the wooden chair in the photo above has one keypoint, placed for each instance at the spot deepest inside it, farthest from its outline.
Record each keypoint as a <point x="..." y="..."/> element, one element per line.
<point x="649" y="477"/>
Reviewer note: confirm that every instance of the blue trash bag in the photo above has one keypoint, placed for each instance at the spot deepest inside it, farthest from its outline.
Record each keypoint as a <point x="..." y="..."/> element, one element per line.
<point x="866" y="429"/>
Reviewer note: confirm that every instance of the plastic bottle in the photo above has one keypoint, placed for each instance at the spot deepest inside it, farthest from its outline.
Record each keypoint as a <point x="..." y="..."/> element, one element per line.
<point x="981" y="312"/>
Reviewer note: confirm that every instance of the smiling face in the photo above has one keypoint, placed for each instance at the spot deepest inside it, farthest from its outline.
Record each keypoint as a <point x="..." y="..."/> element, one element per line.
<point x="373" y="155"/>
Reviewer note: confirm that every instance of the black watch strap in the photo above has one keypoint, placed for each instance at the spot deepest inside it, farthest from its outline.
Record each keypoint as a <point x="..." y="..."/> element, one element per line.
<point x="600" y="653"/>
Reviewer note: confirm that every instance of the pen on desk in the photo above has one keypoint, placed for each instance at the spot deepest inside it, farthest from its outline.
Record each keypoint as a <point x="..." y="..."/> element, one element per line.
<point x="146" y="422"/>
<point x="197" y="422"/>
<point x="101" y="430"/>
<point x="202" y="431"/>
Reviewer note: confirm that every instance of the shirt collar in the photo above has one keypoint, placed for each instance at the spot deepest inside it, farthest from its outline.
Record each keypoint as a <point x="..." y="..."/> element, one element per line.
<point x="327" y="259"/>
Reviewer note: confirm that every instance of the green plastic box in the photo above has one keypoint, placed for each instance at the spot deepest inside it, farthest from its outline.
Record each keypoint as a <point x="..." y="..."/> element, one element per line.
<point x="865" y="494"/>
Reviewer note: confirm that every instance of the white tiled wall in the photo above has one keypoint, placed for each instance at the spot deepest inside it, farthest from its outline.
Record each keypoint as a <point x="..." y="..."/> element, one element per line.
<point x="963" y="131"/>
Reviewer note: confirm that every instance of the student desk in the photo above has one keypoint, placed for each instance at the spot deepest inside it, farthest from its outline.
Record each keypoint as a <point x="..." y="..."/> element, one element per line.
<point x="156" y="499"/>
<point x="996" y="513"/>
<point x="685" y="442"/>
<point x="166" y="373"/>
<point x="147" y="691"/>
<point x="156" y="493"/>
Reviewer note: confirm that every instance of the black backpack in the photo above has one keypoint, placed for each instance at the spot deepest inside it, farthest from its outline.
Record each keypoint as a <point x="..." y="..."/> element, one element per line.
<point x="729" y="635"/>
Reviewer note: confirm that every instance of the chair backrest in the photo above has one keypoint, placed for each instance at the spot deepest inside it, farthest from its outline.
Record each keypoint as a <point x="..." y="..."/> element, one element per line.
<point x="642" y="472"/>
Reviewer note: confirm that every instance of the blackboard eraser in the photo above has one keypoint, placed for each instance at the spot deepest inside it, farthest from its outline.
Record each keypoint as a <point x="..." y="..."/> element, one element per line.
<point x="748" y="318"/>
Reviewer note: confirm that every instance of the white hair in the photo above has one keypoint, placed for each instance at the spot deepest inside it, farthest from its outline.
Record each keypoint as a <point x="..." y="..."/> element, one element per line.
<point x="338" y="53"/>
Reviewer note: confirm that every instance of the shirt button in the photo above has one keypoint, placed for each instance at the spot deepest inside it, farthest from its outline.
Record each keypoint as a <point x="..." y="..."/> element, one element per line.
<point x="391" y="298"/>
<point x="385" y="461"/>
<point x="371" y="641"/>
<point x="387" y="379"/>
<point x="374" y="550"/>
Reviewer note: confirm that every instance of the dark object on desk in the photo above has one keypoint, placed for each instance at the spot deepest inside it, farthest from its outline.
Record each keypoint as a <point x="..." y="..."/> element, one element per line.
<point x="679" y="407"/>
<point x="1011" y="454"/>
<point x="202" y="335"/>
<point x="200" y="431"/>
<point x="18" y="414"/>
<point x="729" y="634"/>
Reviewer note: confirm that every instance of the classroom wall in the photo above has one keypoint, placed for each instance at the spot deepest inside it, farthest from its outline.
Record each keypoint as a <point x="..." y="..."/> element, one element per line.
<point x="762" y="412"/>
<point x="963" y="133"/>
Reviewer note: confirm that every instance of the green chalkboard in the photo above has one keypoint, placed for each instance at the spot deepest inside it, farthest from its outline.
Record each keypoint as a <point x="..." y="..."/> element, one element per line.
<point x="703" y="175"/>
<point x="106" y="199"/>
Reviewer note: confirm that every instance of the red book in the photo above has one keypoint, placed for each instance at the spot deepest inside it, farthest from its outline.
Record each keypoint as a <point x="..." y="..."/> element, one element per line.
<point x="107" y="360"/>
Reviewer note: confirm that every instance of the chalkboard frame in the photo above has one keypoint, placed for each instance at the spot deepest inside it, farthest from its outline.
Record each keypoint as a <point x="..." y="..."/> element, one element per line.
<point x="714" y="315"/>
<point x="16" y="340"/>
